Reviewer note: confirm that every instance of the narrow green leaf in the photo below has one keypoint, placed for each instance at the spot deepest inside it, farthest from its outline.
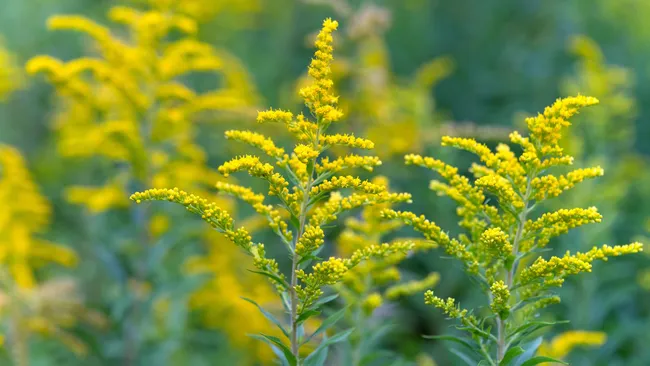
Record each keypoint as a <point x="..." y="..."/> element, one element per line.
<point x="511" y="355"/>
<point x="318" y="357"/>
<point x="270" y="317"/>
<point x="306" y="315"/>
<point x="338" y="337"/>
<point x="534" y="326"/>
<point x="540" y="359"/>
<point x="455" y="339"/>
<point x="272" y="276"/>
<point x="331" y="320"/>
<point x="468" y="360"/>
<point x="324" y="300"/>
<point x="271" y="340"/>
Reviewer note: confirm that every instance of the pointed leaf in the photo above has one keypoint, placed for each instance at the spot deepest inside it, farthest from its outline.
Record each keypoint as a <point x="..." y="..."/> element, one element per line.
<point x="540" y="359"/>
<point x="331" y="320"/>
<point x="455" y="339"/>
<point x="272" y="276"/>
<point x="533" y="326"/>
<point x="270" y="317"/>
<point x="324" y="300"/>
<point x="511" y="355"/>
<point x="306" y="315"/>
<point x="275" y="341"/>
<point x="468" y="360"/>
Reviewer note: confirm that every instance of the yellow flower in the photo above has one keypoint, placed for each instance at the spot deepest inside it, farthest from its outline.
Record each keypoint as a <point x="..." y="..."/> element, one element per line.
<point x="561" y="345"/>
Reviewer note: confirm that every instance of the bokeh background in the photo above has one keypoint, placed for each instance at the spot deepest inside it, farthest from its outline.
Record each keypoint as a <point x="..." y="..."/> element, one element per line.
<point x="408" y="72"/>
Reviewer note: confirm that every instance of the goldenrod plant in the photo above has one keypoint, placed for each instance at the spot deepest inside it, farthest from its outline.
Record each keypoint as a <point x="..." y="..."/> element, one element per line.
<point x="505" y="234"/>
<point x="376" y="282"/>
<point x="131" y="107"/>
<point x="30" y="306"/>
<point x="313" y="194"/>
<point x="400" y="116"/>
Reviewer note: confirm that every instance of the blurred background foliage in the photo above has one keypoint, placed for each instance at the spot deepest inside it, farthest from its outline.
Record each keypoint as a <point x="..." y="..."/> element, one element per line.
<point x="408" y="72"/>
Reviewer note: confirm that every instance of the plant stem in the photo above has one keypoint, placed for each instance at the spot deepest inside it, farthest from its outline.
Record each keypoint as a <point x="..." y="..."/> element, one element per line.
<point x="294" y="260"/>
<point x="510" y="274"/>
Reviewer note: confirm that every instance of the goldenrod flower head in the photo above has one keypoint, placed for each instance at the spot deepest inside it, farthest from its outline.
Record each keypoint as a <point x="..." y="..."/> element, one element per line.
<point x="500" y="298"/>
<point x="502" y="235"/>
<point x="496" y="242"/>
<point x="24" y="216"/>
<point x="372" y="302"/>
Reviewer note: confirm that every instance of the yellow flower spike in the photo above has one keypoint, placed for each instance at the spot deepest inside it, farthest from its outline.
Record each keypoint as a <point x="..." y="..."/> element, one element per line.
<point x="496" y="242"/>
<point x="257" y="140"/>
<point x="412" y="287"/>
<point x="309" y="191"/>
<point x="499" y="247"/>
<point x="561" y="345"/>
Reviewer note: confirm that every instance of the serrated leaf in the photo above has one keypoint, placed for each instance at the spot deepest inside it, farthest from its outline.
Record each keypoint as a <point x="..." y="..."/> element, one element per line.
<point x="269" y="316"/>
<point x="331" y="320"/>
<point x="511" y="355"/>
<point x="540" y="359"/>
<point x="275" y="341"/>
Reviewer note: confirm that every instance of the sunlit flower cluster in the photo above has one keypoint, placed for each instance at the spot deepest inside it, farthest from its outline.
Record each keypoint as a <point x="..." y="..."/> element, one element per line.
<point x="310" y="194"/>
<point x="504" y="234"/>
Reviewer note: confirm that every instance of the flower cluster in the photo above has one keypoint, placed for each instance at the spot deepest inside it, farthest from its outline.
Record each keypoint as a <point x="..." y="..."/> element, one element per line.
<point x="503" y="238"/>
<point x="304" y="181"/>
<point x="28" y="305"/>
<point x="130" y="104"/>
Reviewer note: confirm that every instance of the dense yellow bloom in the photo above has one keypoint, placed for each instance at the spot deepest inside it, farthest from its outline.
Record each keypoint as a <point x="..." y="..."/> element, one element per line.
<point x="309" y="191"/>
<point x="130" y="100"/>
<point x="502" y="236"/>
<point x="25" y="215"/>
<point x="28" y="305"/>
<point x="561" y="345"/>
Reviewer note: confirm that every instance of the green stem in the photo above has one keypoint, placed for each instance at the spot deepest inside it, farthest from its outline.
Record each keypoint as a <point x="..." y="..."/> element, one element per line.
<point x="510" y="274"/>
<point x="304" y="206"/>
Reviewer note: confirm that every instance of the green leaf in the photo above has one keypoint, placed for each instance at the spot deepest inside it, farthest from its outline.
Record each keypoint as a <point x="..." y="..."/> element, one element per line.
<point x="339" y="337"/>
<point x="270" y="317"/>
<point x="533" y="326"/>
<point x="275" y="341"/>
<point x="318" y="357"/>
<point x="317" y="354"/>
<point x="540" y="359"/>
<point x="272" y="276"/>
<point x="467" y="359"/>
<point x="511" y="355"/>
<point x="324" y="300"/>
<point x="530" y="350"/>
<point x="331" y="320"/>
<point x="455" y="339"/>
<point x="306" y="315"/>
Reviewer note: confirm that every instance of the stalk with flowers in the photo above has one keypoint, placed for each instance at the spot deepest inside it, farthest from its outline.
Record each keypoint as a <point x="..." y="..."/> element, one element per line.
<point x="505" y="234"/>
<point x="313" y="194"/>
